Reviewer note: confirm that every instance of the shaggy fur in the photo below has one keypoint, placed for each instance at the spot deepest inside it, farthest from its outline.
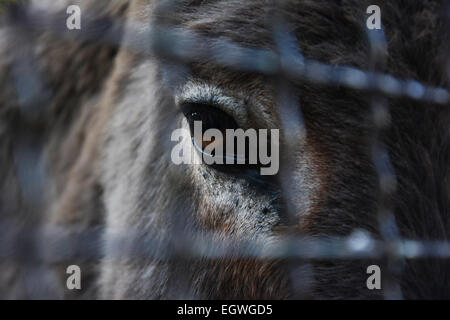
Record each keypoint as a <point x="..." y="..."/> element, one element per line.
<point x="106" y="147"/>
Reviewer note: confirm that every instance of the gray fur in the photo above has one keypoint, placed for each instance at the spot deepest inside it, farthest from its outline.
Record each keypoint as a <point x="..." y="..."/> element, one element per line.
<point x="111" y="168"/>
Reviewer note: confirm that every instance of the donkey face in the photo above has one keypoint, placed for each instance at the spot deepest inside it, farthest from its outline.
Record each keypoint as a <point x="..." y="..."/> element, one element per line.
<point x="326" y="185"/>
<point x="147" y="194"/>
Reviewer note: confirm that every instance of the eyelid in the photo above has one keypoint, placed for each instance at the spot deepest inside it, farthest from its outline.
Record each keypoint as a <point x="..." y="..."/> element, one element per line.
<point x="206" y="94"/>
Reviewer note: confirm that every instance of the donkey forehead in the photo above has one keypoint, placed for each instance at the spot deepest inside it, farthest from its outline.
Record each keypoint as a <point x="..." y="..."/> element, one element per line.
<point x="317" y="25"/>
<point x="256" y="24"/>
<point x="245" y="22"/>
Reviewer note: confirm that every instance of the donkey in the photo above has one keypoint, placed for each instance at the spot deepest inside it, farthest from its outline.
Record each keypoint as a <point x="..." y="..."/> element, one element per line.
<point x="106" y="148"/>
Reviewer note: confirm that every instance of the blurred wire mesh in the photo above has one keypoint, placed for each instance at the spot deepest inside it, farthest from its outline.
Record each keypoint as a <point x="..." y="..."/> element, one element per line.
<point x="23" y="245"/>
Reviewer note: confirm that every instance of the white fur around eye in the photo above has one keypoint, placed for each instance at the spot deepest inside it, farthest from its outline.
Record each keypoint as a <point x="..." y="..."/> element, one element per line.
<point x="198" y="92"/>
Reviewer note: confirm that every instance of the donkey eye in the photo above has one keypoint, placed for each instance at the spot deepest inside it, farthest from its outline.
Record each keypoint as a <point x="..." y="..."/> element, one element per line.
<point x="214" y="118"/>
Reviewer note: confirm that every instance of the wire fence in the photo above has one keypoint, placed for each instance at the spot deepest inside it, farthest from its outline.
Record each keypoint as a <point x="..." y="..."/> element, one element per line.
<point x="287" y="63"/>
